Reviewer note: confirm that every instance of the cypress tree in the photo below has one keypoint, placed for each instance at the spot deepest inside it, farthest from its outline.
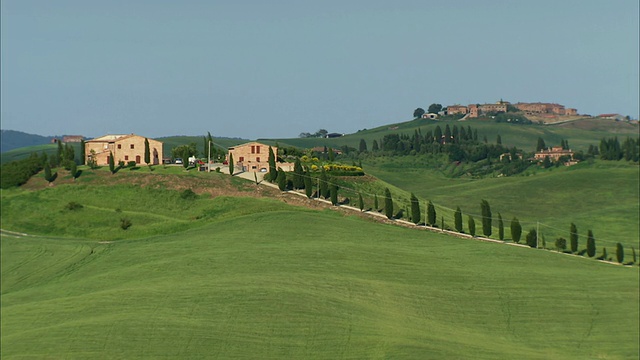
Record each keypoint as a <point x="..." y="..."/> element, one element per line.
<point x="332" y="156"/>
<point x="472" y="226"/>
<point x="415" y="209"/>
<point x="541" y="145"/>
<point x="281" y="179"/>
<point x="363" y="146"/>
<point x="147" y="152"/>
<point x="360" y="202"/>
<point x="498" y="140"/>
<point x="457" y="219"/>
<point x="573" y="238"/>
<point x="230" y="164"/>
<point x="112" y="164"/>
<point x="620" y="253"/>
<point x="431" y="214"/>
<point x="298" y="175"/>
<point x="516" y="230"/>
<point x="532" y="238"/>
<point x="83" y="154"/>
<point x="308" y="186"/>
<point x="73" y="169"/>
<point x="486" y="218"/>
<point x="376" y="206"/>
<point x="59" y="154"/>
<point x="273" y="172"/>
<point x="388" y="204"/>
<point x="374" y="146"/>
<point x="500" y="227"/>
<point x="324" y="184"/>
<point x="47" y="172"/>
<point x="591" y="244"/>
<point x="334" y="194"/>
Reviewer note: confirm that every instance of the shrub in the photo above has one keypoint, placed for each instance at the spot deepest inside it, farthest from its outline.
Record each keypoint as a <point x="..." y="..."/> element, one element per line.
<point x="131" y="164"/>
<point x="188" y="194"/>
<point x="591" y="244"/>
<point x="561" y="244"/>
<point x="532" y="238"/>
<point x="72" y="205"/>
<point x="620" y="253"/>
<point x="125" y="223"/>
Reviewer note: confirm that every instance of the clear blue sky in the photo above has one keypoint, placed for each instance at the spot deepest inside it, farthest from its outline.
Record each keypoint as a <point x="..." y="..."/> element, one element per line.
<point x="264" y="69"/>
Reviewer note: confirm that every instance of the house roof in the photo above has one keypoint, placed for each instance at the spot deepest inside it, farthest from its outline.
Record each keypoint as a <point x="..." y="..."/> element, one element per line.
<point x="109" y="138"/>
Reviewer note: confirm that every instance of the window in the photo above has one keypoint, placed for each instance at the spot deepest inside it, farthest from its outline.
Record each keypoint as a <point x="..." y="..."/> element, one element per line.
<point x="126" y="157"/>
<point x="132" y="146"/>
<point x="258" y="159"/>
<point x="241" y="158"/>
<point x="137" y="159"/>
<point x="253" y="149"/>
<point x="119" y="146"/>
<point x="258" y="150"/>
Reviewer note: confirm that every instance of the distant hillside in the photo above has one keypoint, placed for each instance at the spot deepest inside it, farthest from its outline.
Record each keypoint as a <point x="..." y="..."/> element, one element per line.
<point x="12" y="139"/>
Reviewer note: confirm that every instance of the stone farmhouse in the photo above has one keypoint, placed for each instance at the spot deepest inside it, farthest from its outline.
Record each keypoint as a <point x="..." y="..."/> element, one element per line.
<point x="554" y="154"/>
<point x="545" y="108"/>
<point x="475" y="110"/>
<point x="251" y="156"/>
<point x="123" y="147"/>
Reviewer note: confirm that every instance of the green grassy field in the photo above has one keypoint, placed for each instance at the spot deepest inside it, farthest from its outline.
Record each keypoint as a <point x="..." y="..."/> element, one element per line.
<point x="293" y="283"/>
<point x="602" y="197"/>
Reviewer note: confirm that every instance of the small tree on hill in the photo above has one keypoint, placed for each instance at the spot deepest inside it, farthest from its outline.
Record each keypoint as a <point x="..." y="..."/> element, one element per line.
<point x="273" y="172"/>
<point x="415" y="209"/>
<point x="418" y="113"/>
<point x="388" y="204"/>
<point x="457" y="219"/>
<point x="281" y="180"/>
<point x="541" y="145"/>
<point x="591" y="244"/>
<point x="298" y="175"/>
<point x="431" y="214"/>
<point x="147" y="152"/>
<point x="516" y="230"/>
<point x="500" y="227"/>
<point x="472" y="226"/>
<point x="73" y="170"/>
<point x="332" y="155"/>
<point x="486" y="218"/>
<point x="112" y="163"/>
<point x="561" y="244"/>
<point x="308" y="186"/>
<point x="532" y="238"/>
<point x="83" y="154"/>
<point x="47" y="173"/>
<point x="434" y="108"/>
<point x="363" y="146"/>
<point x="619" y="253"/>
<point x="573" y="238"/>
<point x="230" y="164"/>
<point x="360" y="202"/>
<point x="334" y="194"/>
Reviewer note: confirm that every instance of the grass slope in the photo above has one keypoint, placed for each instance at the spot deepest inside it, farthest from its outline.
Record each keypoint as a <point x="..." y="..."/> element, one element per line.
<point x="337" y="287"/>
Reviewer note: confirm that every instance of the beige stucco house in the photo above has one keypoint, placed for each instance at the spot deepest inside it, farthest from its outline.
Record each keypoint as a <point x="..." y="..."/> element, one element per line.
<point x="252" y="156"/>
<point x="123" y="147"/>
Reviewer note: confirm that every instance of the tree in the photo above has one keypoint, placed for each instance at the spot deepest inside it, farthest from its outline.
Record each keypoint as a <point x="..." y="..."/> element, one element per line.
<point x="363" y="146"/>
<point x="415" y="209"/>
<point x="561" y="244"/>
<point x="332" y="156"/>
<point x="273" y="172"/>
<point x="388" y="204"/>
<point x="92" y="162"/>
<point x="573" y="238"/>
<point x="434" y="108"/>
<point x="281" y="179"/>
<point x="324" y="184"/>
<point x="112" y="163"/>
<point x="47" y="172"/>
<point x="230" y="164"/>
<point x="83" y="154"/>
<point x="431" y="214"/>
<point x="500" y="227"/>
<point x="546" y="163"/>
<point x="532" y="238"/>
<point x="334" y="194"/>
<point x="472" y="226"/>
<point x="308" y="186"/>
<point x="499" y="140"/>
<point x="541" y="145"/>
<point x="360" y="202"/>
<point x="376" y="206"/>
<point x="591" y="244"/>
<point x="298" y="175"/>
<point x="486" y="218"/>
<point x="73" y="170"/>
<point x="418" y="113"/>
<point x="147" y="152"/>
<point x="516" y="230"/>
<point x="457" y="219"/>
<point x="620" y="253"/>
<point x="374" y="146"/>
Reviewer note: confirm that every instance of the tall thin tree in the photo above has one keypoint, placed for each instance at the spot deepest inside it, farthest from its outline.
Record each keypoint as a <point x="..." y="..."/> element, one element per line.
<point x="231" y="164"/>
<point x="573" y="238"/>
<point x="273" y="172"/>
<point x="516" y="230"/>
<point x="591" y="244"/>
<point x="415" y="209"/>
<point x="112" y="163"/>
<point x="147" y="152"/>
<point x="500" y="227"/>
<point x="486" y="218"/>
<point x="388" y="204"/>
<point x="472" y="226"/>
<point x="431" y="214"/>
<point x="457" y="219"/>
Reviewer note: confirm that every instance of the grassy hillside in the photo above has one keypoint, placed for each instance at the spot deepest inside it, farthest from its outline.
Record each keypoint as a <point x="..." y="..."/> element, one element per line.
<point x="602" y="196"/>
<point x="264" y="279"/>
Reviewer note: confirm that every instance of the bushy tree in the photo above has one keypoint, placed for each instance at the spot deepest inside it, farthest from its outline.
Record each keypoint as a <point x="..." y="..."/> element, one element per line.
<point x="573" y="238"/>
<point x="73" y="170"/>
<point x="457" y="219"/>
<point x="486" y="218"/>
<point x="434" y="108"/>
<point x="472" y="226"/>
<point x="281" y="179"/>
<point x="47" y="172"/>
<point x="418" y="113"/>
<point x="620" y="253"/>
<point x="561" y="244"/>
<point x="363" y="146"/>
<point x="516" y="230"/>
<point x="591" y="244"/>
<point x="500" y="227"/>
<point x="388" y="204"/>
<point x="431" y="214"/>
<point x="415" y="209"/>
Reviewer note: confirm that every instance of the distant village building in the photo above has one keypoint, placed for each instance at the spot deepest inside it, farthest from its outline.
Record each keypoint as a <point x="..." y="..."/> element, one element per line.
<point x="612" y="116"/>
<point x="72" y="138"/>
<point x="431" y="116"/>
<point x="475" y="110"/>
<point x="554" y="154"/>
<point x="457" y="109"/>
<point x="123" y="147"/>
<point x="545" y="108"/>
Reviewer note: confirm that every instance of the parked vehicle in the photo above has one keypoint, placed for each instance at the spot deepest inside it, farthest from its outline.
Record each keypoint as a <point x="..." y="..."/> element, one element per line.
<point x="178" y="161"/>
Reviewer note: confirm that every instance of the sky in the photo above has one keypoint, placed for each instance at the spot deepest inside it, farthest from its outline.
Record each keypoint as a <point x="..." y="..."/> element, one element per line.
<point x="274" y="69"/>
